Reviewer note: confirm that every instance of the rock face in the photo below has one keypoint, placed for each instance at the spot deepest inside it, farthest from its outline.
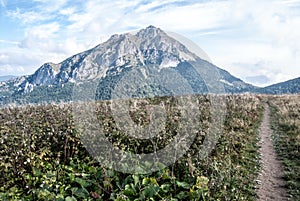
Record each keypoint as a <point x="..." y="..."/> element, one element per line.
<point x="150" y="48"/>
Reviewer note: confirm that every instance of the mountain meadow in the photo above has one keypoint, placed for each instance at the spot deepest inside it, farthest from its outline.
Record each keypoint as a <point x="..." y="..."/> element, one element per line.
<point x="42" y="156"/>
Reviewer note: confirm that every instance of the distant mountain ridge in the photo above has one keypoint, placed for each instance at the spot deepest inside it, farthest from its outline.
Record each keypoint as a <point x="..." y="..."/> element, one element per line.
<point x="150" y="50"/>
<point x="6" y="78"/>
<point x="287" y="87"/>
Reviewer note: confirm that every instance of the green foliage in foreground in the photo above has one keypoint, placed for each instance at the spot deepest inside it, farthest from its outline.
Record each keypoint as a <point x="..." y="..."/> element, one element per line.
<point x="286" y="134"/>
<point x="42" y="158"/>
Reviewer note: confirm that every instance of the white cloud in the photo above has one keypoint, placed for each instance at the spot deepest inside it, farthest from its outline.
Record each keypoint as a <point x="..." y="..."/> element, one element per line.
<point x="41" y="37"/>
<point x="27" y="17"/>
<point x="252" y="59"/>
<point x="2" y="3"/>
<point x="19" y="61"/>
<point x="3" y="58"/>
<point x="50" y="6"/>
<point x="9" y="69"/>
<point x="68" y="11"/>
<point x="45" y="31"/>
<point x="275" y="39"/>
<point x="42" y="11"/>
<point x="290" y="2"/>
<point x="9" y="42"/>
<point x="192" y="17"/>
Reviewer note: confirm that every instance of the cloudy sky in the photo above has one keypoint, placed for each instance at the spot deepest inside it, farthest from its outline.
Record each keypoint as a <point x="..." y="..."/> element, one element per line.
<point x="256" y="40"/>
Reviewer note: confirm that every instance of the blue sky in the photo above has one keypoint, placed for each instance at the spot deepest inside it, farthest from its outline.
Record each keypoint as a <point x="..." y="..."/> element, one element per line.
<point x="256" y="40"/>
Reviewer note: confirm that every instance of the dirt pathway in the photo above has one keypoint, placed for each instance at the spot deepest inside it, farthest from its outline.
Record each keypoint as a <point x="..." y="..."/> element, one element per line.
<point x="271" y="178"/>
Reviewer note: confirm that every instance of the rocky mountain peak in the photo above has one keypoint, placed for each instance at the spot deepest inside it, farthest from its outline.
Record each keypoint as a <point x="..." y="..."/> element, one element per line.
<point x="45" y="73"/>
<point x="150" y="32"/>
<point x="150" y="48"/>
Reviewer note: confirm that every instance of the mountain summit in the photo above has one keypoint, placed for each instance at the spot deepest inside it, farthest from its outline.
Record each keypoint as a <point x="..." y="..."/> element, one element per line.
<point x="148" y="46"/>
<point x="150" y="49"/>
